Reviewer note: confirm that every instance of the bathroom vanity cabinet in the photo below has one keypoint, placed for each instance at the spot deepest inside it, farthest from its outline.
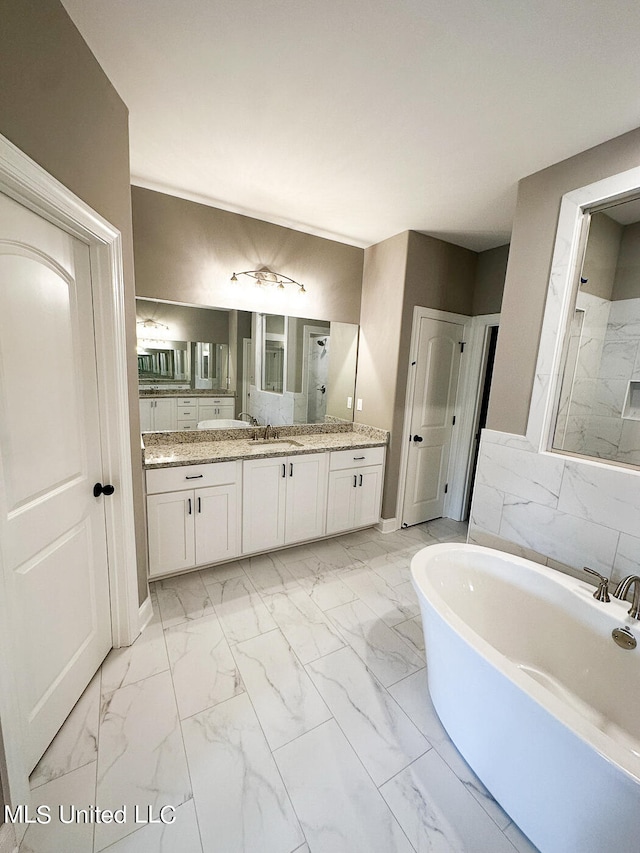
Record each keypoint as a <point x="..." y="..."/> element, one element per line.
<point x="157" y="413"/>
<point x="355" y="489"/>
<point x="193" y="516"/>
<point x="180" y="413"/>
<point x="284" y="500"/>
<point x="202" y="514"/>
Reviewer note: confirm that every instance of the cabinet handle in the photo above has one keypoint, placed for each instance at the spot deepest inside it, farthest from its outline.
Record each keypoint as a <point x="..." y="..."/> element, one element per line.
<point x="355" y="480"/>
<point x="291" y="469"/>
<point x="194" y="477"/>
<point x="284" y="470"/>
<point x="358" y="458"/>
<point x="199" y="504"/>
<point x="189" y="502"/>
<point x="360" y="480"/>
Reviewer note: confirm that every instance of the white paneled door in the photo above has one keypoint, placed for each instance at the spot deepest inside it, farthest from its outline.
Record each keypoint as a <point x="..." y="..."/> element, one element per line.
<point x="52" y="527"/>
<point x="432" y="413"/>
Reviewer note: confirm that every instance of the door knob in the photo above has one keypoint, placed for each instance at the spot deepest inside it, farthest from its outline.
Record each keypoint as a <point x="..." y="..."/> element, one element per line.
<point x="417" y="438"/>
<point x="99" y="489"/>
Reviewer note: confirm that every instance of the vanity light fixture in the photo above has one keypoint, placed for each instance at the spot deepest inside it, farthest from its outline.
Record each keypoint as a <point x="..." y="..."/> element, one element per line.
<point x="151" y="324"/>
<point x="266" y="278"/>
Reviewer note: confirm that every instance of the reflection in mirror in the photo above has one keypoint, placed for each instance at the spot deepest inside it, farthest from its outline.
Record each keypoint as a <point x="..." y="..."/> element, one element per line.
<point x="282" y="370"/>
<point x="599" y="405"/>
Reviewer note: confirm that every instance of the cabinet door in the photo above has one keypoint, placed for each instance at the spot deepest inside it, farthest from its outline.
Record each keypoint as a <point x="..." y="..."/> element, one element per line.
<point x="165" y="413"/>
<point x="207" y="411"/>
<point x="368" y="494"/>
<point x="263" y="504"/>
<point x="216" y="519"/>
<point x="306" y="506"/>
<point x="171" y="528"/>
<point x="341" y="500"/>
<point x="146" y="415"/>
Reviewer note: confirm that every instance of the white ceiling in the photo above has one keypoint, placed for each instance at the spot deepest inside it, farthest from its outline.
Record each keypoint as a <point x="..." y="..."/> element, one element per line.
<point x="359" y="119"/>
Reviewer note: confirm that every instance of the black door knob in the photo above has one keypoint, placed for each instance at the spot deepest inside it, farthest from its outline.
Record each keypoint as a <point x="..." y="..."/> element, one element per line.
<point x="417" y="438"/>
<point x="99" y="489"/>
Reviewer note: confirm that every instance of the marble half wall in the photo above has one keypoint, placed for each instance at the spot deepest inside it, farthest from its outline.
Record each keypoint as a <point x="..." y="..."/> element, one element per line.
<point x="562" y="511"/>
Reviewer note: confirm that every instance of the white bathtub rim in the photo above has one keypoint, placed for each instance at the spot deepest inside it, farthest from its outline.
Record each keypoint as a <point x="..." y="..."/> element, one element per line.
<point x="604" y="744"/>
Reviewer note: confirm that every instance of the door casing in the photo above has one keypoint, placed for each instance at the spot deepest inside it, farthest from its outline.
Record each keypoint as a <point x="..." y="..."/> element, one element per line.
<point x="27" y="183"/>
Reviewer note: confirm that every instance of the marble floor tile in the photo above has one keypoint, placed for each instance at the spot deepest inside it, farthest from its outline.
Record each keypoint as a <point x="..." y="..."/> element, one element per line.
<point x="204" y="671"/>
<point x="182" y="598"/>
<point x="240" y="799"/>
<point x="437" y="812"/>
<point x="333" y="554"/>
<point x="338" y="805"/>
<point x="306" y="628"/>
<point x="412" y="633"/>
<point x="76" y="743"/>
<point x="382" y="650"/>
<point x="75" y="789"/>
<point x="357" y="537"/>
<point x="390" y="603"/>
<point x="326" y="589"/>
<point x="412" y="694"/>
<point x="240" y="609"/>
<point x="141" y="759"/>
<point x="285" y="700"/>
<point x="383" y="737"/>
<point x="182" y="835"/>
<point x="269" y="574"/>
<point x="147" y="656"/>
<point x="218" y="574"/>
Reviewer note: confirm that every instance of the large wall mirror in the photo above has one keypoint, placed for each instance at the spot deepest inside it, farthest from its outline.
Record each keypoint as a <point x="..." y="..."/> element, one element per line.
<point x="598" y="409"/>
<point x="281" y="370"/>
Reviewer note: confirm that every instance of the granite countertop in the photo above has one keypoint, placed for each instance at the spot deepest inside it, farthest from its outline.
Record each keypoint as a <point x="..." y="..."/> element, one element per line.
<point x="183" y="392"/>
<point x="166" y="450"/>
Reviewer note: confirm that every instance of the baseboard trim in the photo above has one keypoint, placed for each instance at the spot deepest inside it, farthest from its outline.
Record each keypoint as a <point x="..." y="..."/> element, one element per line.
<point x="8" y="842"/>
<point x="387" y="525"/>
<point x="145" y="614"/>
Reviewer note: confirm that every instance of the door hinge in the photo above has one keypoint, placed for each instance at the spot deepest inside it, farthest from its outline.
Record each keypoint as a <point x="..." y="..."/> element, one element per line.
<point x="462" y="343"/>
<point x="446" y="488"/>
<point x="453" y="422"/>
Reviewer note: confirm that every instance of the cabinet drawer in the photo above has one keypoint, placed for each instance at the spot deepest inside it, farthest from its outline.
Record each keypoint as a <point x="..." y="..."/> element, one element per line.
<point x="187" y="425"/>
<point x="187" y="413"/>
<point x="187" y="401"/>
<point x="356" y="458"/>
<point x="190" y="477"/>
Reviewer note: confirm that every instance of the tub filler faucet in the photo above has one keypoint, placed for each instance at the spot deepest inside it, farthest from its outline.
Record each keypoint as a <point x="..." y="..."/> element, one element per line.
<point x="623" y="588"/>
<point x="602" y="593"/>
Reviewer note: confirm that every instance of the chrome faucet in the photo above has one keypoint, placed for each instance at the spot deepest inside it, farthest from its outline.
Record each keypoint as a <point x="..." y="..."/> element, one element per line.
<point x="253" y="421"/>
<point x="267" y="431"/>
<point x="623" y="588"/>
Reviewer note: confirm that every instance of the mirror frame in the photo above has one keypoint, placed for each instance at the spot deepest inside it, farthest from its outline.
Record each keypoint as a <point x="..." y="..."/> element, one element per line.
<point x="575" y="210"/>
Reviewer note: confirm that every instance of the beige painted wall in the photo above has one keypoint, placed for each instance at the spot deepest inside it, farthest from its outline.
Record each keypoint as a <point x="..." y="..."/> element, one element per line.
<point x="343" y="359"/>
<point x="627" y="280"/>
<point x="601" y="256"/>
<point x="528" y="269"/>
<point x="407" y="270"/>
<point x="489" y="284"/>
<point x="57" y="105"/>
<point x="186" y="252"/>
<point x="185" y="322"/>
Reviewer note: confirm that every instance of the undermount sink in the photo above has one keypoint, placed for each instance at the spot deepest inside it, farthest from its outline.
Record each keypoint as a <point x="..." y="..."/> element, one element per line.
<point x="278" y="443"/>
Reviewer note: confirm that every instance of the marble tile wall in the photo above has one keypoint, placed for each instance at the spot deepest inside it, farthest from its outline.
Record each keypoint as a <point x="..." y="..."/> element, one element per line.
<point x="557" y="510"/>
<point x="608" y="358"/>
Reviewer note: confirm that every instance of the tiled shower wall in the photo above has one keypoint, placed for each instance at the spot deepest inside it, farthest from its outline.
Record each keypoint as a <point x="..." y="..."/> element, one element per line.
<point x="608" y="358"/>
<point x="565" y="512"/>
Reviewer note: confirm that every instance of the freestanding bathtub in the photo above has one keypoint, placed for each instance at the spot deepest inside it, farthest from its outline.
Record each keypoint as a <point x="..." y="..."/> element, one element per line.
<point x="535" y="693"/>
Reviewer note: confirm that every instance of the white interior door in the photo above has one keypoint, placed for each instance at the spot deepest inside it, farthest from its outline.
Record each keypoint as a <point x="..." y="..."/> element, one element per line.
<point x="53" y="543"/>
<point x="431" y="422"/>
